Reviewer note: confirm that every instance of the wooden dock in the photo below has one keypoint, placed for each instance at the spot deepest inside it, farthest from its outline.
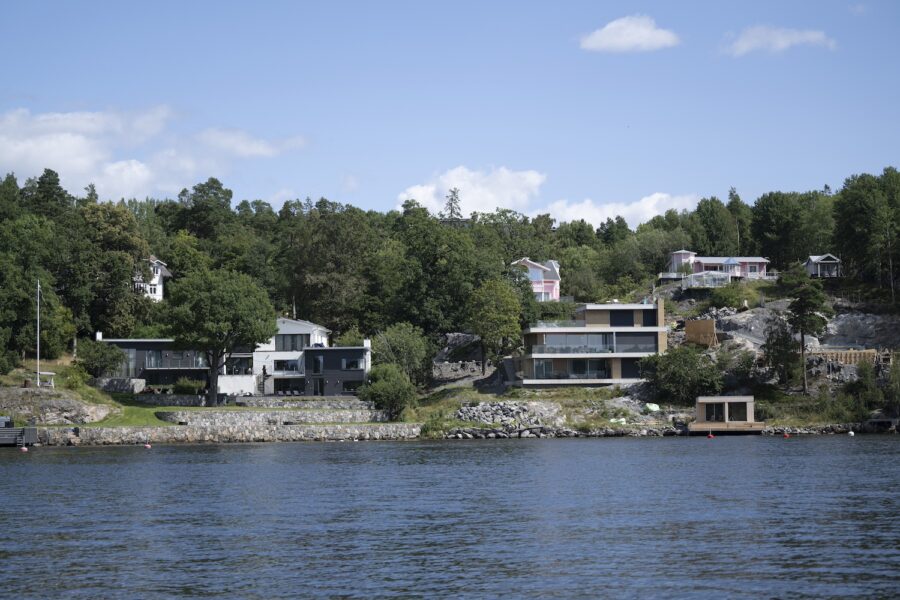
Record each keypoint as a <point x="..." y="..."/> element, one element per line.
<point x="18" y="436"/>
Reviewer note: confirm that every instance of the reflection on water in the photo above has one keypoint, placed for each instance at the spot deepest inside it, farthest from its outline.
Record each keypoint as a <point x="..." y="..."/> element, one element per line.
<point x="730" y="517"/>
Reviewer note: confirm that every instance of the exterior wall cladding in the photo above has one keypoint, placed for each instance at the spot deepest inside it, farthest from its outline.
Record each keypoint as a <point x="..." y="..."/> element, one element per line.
<point x="335" y="371"/>
<point x="601" y="347"/>
<point x="157" y="362"/>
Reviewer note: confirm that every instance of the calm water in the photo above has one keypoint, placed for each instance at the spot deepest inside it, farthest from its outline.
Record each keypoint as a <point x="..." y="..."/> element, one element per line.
<point x="730" y="517"/>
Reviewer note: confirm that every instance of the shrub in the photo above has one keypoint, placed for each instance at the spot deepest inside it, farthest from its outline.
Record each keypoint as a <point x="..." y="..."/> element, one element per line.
<point x="733" y="295"/>
<point x="75" y="376"/>
<point x="389" y="389"/>
<point x="98" y="358"/>
<point x="188" y="386"/>
<point x="680" y="375"/>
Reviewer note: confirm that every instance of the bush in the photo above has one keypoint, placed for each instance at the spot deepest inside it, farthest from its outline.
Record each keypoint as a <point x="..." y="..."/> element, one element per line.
<point x="98" y="358"/>
<point x="188" y="386"/>
<point x="75" y="376"/>
<point x="389" y="389"/>
<point x="733" y="295"/>
<point x="680" y="375"/>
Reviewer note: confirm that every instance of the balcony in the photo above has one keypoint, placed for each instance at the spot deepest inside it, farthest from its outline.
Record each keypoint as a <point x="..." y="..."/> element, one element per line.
<point x="558" y="324"/>
<point x="593" y="349"/>
<point x="564" y="375"/>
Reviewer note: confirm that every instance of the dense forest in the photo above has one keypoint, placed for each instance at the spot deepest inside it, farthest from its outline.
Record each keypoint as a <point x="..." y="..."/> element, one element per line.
<point x="350" y="269"/>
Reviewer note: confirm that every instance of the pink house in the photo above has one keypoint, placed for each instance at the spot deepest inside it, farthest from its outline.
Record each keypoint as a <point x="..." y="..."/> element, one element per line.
<point x="744" y="267"/>
<point x="544" y="278"/>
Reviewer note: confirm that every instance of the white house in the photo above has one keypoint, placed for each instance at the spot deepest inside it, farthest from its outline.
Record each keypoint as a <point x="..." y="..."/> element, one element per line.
<point x="544" y="278"/>
<point x="274" y="366"/>
<point x="825" y="265"/>
<point x="153" y="289"/>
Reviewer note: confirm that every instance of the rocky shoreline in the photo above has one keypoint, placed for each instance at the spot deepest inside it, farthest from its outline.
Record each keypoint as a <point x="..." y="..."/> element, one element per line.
<point x="489" y="433"/>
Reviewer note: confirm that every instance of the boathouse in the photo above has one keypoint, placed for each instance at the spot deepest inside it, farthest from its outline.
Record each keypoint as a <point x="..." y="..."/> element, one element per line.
<point x="725" y="414"/>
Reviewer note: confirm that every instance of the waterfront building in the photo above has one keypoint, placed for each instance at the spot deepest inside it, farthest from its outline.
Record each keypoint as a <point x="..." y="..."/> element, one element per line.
<point x="602" y="346"/>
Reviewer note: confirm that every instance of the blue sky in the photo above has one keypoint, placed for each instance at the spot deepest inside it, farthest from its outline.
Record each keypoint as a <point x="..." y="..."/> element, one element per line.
<point x="582" y="109"/>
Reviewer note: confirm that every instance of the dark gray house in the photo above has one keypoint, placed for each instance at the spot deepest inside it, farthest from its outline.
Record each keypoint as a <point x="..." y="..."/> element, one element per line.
<point x="336" y="371"/>
<point x="158" y="362"/>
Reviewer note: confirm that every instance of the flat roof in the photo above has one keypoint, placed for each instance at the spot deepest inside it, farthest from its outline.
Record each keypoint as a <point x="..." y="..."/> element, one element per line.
<point x="621" y="305"/>
<point x="711" y="399"/>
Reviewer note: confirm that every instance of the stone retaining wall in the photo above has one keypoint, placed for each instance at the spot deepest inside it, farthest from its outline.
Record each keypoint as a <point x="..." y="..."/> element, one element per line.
<point x="170" y="399"/>
<point x="253" y="418"/>
<point x="191" y="434"/>
<point x="470" y="433"/>
<point x="278" y="402"/>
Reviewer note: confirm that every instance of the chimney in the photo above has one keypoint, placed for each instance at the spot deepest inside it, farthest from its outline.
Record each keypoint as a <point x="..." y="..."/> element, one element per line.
<point x="367" y="343"/>
<point x="99" y="336"/>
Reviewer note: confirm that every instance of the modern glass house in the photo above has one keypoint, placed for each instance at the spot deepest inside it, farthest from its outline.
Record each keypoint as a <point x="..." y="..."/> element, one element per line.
<point x="602" y="346"/>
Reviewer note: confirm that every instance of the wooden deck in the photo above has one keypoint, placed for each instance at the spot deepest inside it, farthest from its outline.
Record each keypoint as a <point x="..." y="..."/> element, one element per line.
<point x="18" y="436"/>
<point x="731" y="427"/>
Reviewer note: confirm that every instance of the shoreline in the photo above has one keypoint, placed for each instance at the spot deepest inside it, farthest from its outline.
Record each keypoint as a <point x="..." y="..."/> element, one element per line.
<point x="393" y="431"/>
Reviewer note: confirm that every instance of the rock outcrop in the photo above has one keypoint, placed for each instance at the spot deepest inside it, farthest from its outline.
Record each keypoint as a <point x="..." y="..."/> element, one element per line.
<point x="47" y="406"/>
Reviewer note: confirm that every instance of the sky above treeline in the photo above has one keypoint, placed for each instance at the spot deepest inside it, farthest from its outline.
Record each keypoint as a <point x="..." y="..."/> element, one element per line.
<point x="581" y="109"/>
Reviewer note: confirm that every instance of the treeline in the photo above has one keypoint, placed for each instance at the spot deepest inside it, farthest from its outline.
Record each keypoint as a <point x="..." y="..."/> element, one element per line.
<point x="347" y="268"/>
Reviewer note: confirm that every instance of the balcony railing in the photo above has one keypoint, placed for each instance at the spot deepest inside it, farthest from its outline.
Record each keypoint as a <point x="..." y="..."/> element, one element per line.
<point x="592" y="349"/>
<point x="564" y="375"/>
<point x="559" y="324"/>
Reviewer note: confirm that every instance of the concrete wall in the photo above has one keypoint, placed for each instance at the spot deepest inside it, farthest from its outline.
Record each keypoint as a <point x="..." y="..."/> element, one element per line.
<point x="237" y="385"/>
<point x="170" y="399"/>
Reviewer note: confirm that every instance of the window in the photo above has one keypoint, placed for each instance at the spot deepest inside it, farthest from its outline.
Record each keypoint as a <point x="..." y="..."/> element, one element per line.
<point x="737" y="411"/>
<point x="543" y="369"/>
<point x="636" y="342"/>
<point x="351" y="364"/>
<point x="630" y="368"/>
<point x="715" y="412"/>
<point x="153" y="359"/>
<point x="318" y="364"/>
<point x="318" y="387"/>
<point x="153" y="289"/>
<point x="753" y="268"/>
<point x="649" y="318"/>
<point x="291" y="366"/>
<point x="621" y="318"/>
<point x="579" y="367"/>
<point x="291" y="342"/>
<point x="351" y="387"/>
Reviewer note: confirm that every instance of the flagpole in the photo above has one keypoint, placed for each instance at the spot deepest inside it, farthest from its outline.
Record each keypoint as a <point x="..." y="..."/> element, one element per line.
<point x="38" y="333"/>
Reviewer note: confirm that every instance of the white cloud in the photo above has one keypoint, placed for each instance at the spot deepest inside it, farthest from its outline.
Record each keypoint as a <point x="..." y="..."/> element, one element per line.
<point x="636" y="33"/>
<point x="639" y="211"/>
<point x="126" y="154"/>
<point x="481" y="191"/>
<point x="858" y="9"/>
<point x="486" y="191"/>
<point x="777" y="39"/>
<point x="242" y="144"/>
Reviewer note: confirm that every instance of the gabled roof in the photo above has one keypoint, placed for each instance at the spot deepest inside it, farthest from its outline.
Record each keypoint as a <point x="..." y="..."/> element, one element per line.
<point x="822" y="258"/>
<point x="527" y="262"/>
<point x="163" y="268"/>
<point x="722" y="260"/>
<point x="289" y="326"/>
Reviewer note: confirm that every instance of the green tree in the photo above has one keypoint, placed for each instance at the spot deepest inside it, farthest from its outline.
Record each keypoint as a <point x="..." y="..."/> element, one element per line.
<point x="351" y="337"/>
<point x="389" y="389"/>
<point x="892" y="392"/>
<point x="98" y="358"/>
<point x="406" y="346"/>
<point x="451" y="207"/>
<point x="743" y="217"/>
<point x="715" y="232"/>
<point x="215" y="312"/>
<point x="780" y="349"/>
<point x="680" y="375"/>
<point x="804" y="310"/>
<point x="494" y="316"/>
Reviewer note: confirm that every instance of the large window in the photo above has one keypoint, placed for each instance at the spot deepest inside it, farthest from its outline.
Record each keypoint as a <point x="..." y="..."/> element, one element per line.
<point x="291" y="342"/>
<point x="543" y="368"/>
<point x="351" y="364"/>
<point x="649" y="318"/>
<point x="715" y="412"/>
<point x="737" y="411"/>
<point x="350" y="387"/>
<point x="153" y="359"/>
<point x="635" y="342"/>
<point x="318" y="364"/>
<point x="287" y="366"/>
<point x="621" y="318"/>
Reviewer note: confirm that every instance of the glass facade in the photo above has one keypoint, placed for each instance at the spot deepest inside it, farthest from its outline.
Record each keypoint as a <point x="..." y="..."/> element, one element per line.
<point x="291" y="342"/>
